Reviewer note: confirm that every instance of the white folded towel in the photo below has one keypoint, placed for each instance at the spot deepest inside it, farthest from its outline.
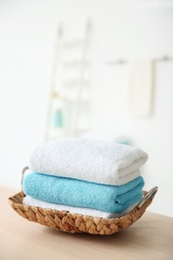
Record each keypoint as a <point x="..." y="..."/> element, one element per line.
<point x="28" y="200"/>
<point x="91" y="160"/>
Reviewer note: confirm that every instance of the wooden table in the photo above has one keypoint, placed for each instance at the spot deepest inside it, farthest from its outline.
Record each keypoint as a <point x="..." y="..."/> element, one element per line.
<point x="151" y="237"/>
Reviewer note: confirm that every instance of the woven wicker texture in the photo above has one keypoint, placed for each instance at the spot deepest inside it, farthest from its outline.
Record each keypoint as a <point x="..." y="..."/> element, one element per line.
<point x="76" y="223"/>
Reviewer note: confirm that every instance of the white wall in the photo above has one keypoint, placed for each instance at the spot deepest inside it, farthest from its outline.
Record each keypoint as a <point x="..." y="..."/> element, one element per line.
<point x="27" y="35"/>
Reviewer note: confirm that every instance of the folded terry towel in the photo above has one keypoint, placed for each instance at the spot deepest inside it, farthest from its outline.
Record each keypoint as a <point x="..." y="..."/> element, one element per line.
<point x="28" y="200"/>
<point x="80" y="193"/>
<point x="91" y="160"/>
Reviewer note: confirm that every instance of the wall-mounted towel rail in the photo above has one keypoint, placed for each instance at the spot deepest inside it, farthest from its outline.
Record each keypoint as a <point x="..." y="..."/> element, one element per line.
<point x="124" y="61"/>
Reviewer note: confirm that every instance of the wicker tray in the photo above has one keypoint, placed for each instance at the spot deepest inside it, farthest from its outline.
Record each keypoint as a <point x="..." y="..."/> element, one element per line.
<point x="77" y="223"/>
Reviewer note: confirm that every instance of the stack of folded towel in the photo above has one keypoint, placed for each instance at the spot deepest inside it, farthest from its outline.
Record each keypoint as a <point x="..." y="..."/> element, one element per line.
<point x="89" y="177"/>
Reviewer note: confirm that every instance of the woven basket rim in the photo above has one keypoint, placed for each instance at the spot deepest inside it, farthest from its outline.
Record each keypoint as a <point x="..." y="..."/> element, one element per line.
<point x="14" y="200"/>
<point x="74" y="222"/>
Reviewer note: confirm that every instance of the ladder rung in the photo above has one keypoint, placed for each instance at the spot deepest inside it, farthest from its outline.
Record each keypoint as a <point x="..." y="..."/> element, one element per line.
<point x="74" y="82"/>
<point x="73" y="43"/>
<point x="75" y="63"/>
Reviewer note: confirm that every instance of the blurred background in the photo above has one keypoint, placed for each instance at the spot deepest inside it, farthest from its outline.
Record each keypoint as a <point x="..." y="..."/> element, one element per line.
<point x="99" y="69"/>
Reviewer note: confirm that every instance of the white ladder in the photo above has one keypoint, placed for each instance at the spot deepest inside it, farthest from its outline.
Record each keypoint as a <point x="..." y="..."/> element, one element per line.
<point x="70" y="94"/>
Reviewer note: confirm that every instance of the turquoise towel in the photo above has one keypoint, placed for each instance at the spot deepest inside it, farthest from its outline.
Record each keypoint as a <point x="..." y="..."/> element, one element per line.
<point x="80" y="193"/>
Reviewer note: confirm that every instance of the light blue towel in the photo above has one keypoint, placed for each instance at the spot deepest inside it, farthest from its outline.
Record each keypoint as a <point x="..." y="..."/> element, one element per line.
<point x="80" y="193"/>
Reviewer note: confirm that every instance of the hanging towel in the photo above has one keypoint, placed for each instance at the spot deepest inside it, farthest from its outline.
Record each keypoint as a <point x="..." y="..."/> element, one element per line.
<point x="141" y="87"/>
<point x="91" y="160"/>
<point x="28" y="200"/>
<point x="80" y="193"/>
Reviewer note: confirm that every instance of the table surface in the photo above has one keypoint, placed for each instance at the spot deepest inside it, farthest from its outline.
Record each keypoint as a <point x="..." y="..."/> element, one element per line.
<point x="151" y="237"/>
